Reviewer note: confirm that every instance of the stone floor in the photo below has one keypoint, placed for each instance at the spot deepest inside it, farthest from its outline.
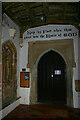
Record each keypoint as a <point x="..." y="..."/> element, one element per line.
<point x="41" y="112"/>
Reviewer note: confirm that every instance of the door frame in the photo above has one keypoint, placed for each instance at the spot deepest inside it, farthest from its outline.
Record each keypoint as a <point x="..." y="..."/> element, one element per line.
<point x="65" y="48"/>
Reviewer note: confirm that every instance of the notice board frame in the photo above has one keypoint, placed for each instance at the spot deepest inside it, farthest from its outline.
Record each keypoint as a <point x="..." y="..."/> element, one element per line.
<point x="25" y="79"/>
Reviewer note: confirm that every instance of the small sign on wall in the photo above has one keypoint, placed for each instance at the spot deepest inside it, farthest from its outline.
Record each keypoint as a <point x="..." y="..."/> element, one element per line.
<point x="77" y="85"/>
<point x="24" y="79"/>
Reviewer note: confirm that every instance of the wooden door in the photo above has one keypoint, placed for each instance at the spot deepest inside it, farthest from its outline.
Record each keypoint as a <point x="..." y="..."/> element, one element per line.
<point x="51" y="84"/>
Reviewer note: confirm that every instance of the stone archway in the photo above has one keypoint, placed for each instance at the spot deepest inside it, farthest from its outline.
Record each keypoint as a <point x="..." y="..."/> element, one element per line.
<point x="64" y="48"/>
<point x="9" y="74"/>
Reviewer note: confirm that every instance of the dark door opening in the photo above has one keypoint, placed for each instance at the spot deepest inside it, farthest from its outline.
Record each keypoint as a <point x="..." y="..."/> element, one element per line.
<point x="51" y="84"/>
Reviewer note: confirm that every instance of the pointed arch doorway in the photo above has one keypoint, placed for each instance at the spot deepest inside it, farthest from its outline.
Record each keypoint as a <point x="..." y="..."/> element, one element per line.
<point x="65" y="49"/>
<point x="51" y="82"/>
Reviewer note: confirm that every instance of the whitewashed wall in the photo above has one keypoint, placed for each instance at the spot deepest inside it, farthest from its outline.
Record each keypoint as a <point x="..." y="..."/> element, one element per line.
<point x="24" y="58"/>
<point x="24" y="92"/>
<point x="6" y="25"/>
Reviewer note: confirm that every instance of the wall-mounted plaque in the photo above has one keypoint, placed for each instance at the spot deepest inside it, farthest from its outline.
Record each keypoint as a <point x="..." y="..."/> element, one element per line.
<point x="24" y="79"/>
<point x="77" y="85"/>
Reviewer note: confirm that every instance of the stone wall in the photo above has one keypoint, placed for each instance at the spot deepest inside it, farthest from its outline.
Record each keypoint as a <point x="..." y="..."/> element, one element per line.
<point x="9" y="73"/>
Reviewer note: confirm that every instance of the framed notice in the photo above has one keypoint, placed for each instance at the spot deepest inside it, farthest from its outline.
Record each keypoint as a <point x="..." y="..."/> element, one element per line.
<point x="77" y="85"/>
<point x="24" y="79"/>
